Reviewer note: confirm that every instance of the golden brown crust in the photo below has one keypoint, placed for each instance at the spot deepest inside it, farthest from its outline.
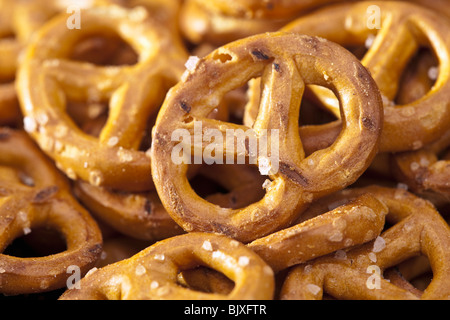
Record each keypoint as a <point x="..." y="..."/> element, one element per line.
<point x="416" y="228"/>
<point x="45" y="200"/>
<point x="152" y="273"/>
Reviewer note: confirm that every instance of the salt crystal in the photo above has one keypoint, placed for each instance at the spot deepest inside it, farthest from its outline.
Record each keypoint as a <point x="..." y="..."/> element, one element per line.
<point x="336" y="236"/>
<point x="264" y="166"/>
<point x="266" y="184"/>
<point x="243" y="261"/>
<point x="112" y="141"/>
<point x="26" y="230"/>
<point x="369" y="41"/>
<point x="160" y="256"/>
<point x="379" y="244"/>
<point x="310" y="162"/>
<point x="95" y="178"/>
<point x="192" y="63"/>
<point x="154" y="285"/>
<point x="29" y="124"/>
<point x="2" y="270"/>
<point x="314" y="289"/>
<point x="373" y="257"/>
<point x="207" y="245"/>
<point x="140" y="270"/>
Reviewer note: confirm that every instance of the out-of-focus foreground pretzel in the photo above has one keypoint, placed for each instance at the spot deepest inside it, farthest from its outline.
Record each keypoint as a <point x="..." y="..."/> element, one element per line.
<point x="416" y="229"/>
<point x="33" y="195"/>
<point x="153" y="272"/>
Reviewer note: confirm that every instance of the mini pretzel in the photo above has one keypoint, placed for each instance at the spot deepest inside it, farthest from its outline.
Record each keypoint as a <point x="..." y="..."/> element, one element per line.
<point x="152" y="273"/>
<point x="46" y="77"/>
<point x="423" y="170"/>
<point x="286" y="62"/>
<point x="417" y="229"/>
<point x="404" y="27"/>
<point x="34" y="195"/>
<point x="348" y="225"/>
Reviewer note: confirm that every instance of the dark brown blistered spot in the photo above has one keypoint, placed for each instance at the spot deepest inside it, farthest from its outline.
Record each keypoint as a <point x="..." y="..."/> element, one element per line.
<point x="45" y="194"/>
<point x="293" y="175"/>
<point x="368" y="123"/>
<point x="259" y="55"/>
<point x="148" y="206"/>
<point x="185" y="106"/>
<point x="277" y="67"/>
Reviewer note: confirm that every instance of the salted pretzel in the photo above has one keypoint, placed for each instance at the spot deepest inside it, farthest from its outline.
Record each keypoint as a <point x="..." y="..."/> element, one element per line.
<point x="286" y="63"/>
<point x="424" y="171"/>
<point x="152" y="273"/>
<point x="33" y="195"/>
<point x="348" y="225"/>
<point x="47" y="78"/>
<point x="416" y="228"/>
<point x="414" y="124"/>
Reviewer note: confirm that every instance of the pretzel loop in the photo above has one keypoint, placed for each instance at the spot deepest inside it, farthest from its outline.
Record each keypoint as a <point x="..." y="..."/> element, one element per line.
<point x="43" y="201"/>
<point x="152" y="273"/>
<point x="113" y="160"/>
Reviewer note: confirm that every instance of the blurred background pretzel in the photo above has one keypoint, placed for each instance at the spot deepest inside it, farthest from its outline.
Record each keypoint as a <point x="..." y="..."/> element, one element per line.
<point x="276" y="57"/>
<point x="153" y="272"/>
<point x="414" y="229"/>
<point x="34" y="195"/>
<point x="404" y="28"/>
<point x="218" y="22"/>
<point x="134" y="93"/>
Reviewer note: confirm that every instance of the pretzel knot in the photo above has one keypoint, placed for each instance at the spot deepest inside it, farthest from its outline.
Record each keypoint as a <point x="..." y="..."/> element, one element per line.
<point x="152" y="273"/>
<point x="286" y="63"/>
<point x="33" y="194"/>
<point x="403" y="28"/>
<point x="47" y="78"/>
<point x="357" y="273"/>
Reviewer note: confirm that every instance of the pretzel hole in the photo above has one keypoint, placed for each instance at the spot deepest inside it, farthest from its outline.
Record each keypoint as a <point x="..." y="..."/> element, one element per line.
<point x="215" y="184"/>
<point x="413" y="274"/>
<point x="38" y="242"/>
<point x="90" y="117"/>
<point x="419" y="77"/>
<point x="106" y="49"/>
<point x="206" y="280"/>
<point x="312" y="111"/>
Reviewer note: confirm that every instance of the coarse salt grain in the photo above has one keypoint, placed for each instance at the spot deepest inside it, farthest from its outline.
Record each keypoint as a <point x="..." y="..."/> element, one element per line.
<point x="243" y="261"/>
<point x="379" y="244"/>
<point x="112" y="141"/>
<point x="207" y="245"/>
<point x="140" y="270"/>
<point x="192" y="63"/>
<point x="159" y="256"/>
<point x="314" y="289"/>
<point x="154" y="285"/>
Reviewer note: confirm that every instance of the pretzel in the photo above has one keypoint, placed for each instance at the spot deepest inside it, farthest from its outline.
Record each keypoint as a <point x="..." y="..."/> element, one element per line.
<point x="35" y="195"/>
<point x="297" y="182"/>
<point x="47" y="78"/>
<point x="152" y="273"/>
<point x="348" y="225"/>
<point x="416" y="229"/>
<point x="423" y="171"/>
<point x="413" y="124"/>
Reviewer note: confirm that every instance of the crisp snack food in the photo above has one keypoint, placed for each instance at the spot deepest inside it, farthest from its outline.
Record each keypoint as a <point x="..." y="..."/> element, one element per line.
<point x="286" y="62"/>
<point x="35" y="195"/>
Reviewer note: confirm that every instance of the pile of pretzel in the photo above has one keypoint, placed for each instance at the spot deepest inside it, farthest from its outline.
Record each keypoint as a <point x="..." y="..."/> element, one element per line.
<point x="352" y="202"/>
